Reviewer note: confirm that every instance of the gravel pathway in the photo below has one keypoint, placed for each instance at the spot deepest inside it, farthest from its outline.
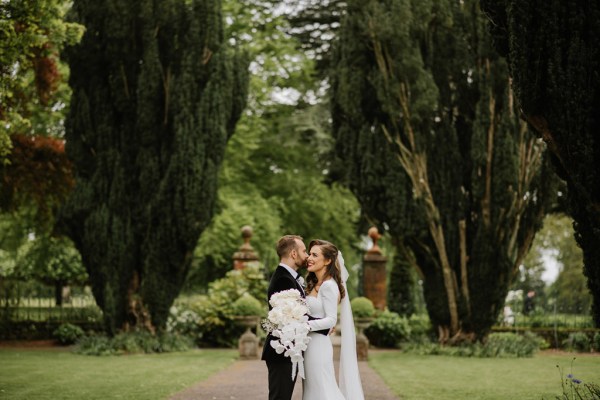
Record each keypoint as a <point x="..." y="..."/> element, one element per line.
<point x="247" y="380"/>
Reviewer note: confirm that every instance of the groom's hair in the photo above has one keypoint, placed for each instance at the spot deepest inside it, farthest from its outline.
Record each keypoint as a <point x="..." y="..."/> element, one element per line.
<point x="286" y="244"/>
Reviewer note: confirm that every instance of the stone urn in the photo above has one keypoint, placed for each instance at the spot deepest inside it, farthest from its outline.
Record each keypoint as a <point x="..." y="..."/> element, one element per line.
<point x="362" y="342"/>
<point x="248" y="342"/>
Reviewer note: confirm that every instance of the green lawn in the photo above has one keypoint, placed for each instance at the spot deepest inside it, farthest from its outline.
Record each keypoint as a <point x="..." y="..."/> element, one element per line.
<point x="55" y="374"/>
<point x="441" y="377"/>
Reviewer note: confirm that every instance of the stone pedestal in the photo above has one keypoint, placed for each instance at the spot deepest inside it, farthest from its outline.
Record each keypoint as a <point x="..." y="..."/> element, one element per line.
<point x="248" y="343"/>
<point x="374" y="273"/>
<point x="362" y="342"/>
<point x="245" y="254"/>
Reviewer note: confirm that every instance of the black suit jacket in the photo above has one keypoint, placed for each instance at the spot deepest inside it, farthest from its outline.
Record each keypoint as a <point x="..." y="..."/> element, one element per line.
<point x="281" y="280"/>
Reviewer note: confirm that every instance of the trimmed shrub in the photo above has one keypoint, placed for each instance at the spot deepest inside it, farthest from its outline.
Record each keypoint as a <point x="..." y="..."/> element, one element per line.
<point x="68" y="334"/>
<point x="596" y="341"/>
<point x="421" y="330"/>
<point x="95" y="345"/>
<point x="362" y="307"/>
<point x="512" y="345"/>
<point x="209" y="319"/>
<point x="132" y="343"/>
<point x="248" y="306"/>
<point x="578" y="341"/>
<point x="502" y="345"/>
<point x="388" y="330"/>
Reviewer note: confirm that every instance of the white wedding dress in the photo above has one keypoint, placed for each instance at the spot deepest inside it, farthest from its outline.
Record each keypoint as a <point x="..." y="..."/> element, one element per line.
<point x="320" y="382"/>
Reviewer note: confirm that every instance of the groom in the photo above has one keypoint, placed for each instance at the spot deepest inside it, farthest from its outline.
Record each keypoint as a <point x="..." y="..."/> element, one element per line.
<point x="292" y="256"/>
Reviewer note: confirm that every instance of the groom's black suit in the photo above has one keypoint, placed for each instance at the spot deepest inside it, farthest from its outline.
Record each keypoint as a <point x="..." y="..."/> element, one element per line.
<point x="281" y="384"/>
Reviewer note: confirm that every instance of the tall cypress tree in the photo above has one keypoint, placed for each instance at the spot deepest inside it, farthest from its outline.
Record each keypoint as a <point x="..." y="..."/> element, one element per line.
<point x="427" y="131"/>
<point x="554" y="58"/>
<point x="156" y="95"/>
<point x="402" y="285"/>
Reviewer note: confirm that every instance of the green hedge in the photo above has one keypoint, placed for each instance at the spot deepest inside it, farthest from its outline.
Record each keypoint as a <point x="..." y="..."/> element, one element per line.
<point x="39" y="330"/>
<point x="555" y="338"/>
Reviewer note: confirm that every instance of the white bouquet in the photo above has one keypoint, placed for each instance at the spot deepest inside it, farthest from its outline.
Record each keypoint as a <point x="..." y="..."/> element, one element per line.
<point x="288" y="321"/>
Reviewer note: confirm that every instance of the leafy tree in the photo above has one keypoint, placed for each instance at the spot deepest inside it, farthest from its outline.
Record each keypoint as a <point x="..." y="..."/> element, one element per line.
<point x="38" y="176"/>
<point x="28" y="252"/>
<point x="552" y="51"/>
<point x="54" y="261"/>
<point x="529" y="275"/>
<point x="33" y="94"/>
<point x="156" y="95"/>
<point x="35" y="183"/>
<point x="569" y="288"/>
<point x="275" y="168"/>
<point x="315" y="23"/>
<point x="433" y="147"/>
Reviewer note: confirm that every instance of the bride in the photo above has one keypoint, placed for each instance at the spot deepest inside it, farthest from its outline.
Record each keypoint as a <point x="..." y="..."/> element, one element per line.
<point x="325" y="289"/>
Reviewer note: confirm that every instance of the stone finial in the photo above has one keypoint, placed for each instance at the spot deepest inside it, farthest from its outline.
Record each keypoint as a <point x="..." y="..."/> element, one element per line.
<point x="245" y="253"/>
<point x="375" y="236"/>
<point x="246" y="235"/>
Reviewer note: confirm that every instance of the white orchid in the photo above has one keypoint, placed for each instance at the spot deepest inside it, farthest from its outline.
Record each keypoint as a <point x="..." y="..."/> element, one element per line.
<point x="288" y="321"/>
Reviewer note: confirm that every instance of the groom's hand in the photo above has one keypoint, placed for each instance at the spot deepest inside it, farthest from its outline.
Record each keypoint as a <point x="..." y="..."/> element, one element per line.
<point x="331" y="331"/>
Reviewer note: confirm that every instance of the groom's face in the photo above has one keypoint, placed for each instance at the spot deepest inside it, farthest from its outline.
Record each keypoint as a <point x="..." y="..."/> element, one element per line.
<point x="301" y="254"/>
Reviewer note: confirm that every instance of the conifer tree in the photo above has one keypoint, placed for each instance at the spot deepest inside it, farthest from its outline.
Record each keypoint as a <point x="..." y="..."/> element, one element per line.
<point x="554" y="59"/>
<point x="402" y="285"/>
<point x="156" y="95"/>
<point x="432" y="145"/>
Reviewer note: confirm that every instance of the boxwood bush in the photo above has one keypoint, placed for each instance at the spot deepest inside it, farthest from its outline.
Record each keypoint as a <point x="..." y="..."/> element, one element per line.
<point x="362" y="307"/>
<point x="388" y="330"/>
<point x="247" y="305"/>
<point x="577" y="341"/>
<point x="68" y="334"/>
<point x="209" y="318"/>
<point x="502" y="345"/>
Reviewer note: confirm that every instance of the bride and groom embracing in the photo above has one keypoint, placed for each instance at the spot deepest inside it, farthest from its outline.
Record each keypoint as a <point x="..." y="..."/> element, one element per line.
<point x="325" y="289"/>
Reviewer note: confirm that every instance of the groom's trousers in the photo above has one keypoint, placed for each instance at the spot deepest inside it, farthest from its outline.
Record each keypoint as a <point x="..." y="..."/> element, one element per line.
<point x="281" y="384"/>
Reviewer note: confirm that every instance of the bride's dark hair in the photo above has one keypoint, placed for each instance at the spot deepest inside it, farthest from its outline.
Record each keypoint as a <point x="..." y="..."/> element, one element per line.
<point x="333" y="270"/>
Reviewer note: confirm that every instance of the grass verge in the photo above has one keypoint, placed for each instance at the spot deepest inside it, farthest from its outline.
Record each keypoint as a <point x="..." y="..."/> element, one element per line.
<point x="420" y="377"/>
<point x="54" y="374"/>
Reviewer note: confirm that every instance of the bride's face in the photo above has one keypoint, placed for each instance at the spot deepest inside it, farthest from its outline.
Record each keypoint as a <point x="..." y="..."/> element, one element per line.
<point x="316" y="262"/>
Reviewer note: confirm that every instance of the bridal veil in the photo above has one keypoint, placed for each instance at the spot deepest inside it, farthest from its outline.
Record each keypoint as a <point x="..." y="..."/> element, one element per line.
<point x="349" y="377"/>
